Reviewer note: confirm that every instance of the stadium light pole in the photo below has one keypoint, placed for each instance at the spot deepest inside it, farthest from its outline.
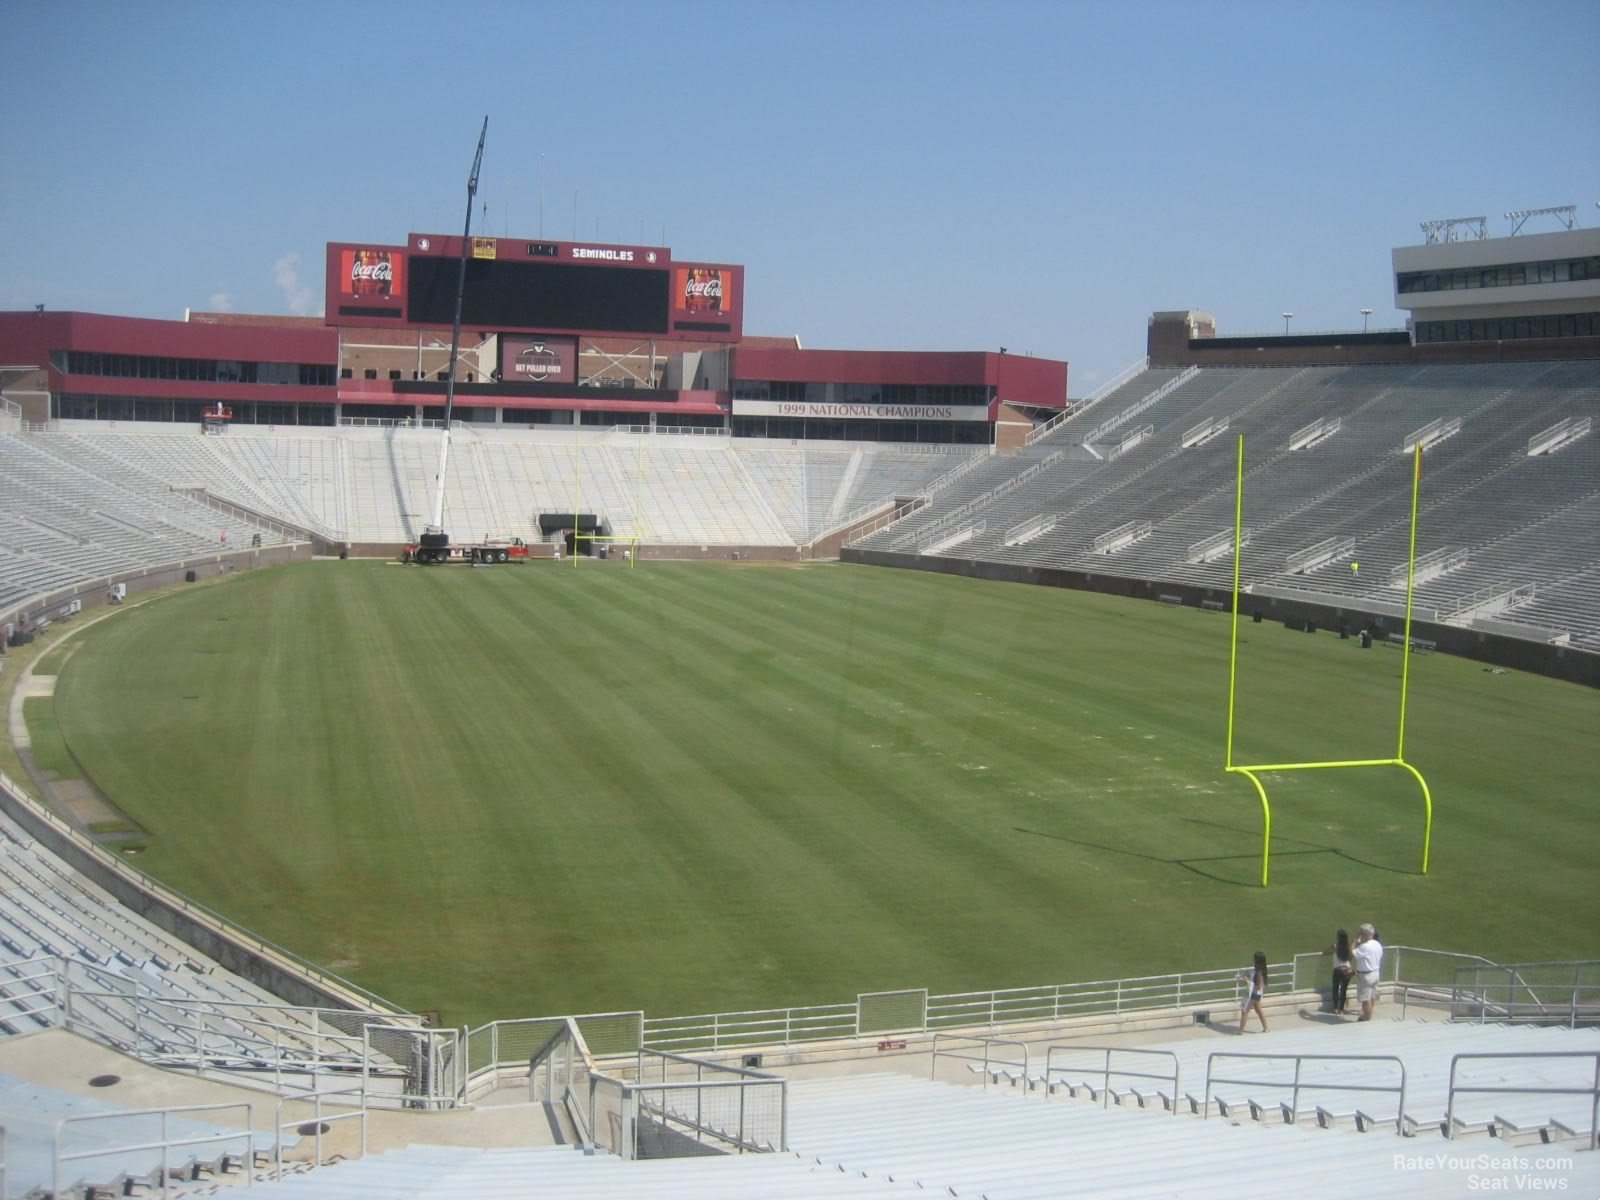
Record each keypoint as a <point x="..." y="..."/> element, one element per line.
<point x="1286" y="317"/>
<point x="1365" y="313"/>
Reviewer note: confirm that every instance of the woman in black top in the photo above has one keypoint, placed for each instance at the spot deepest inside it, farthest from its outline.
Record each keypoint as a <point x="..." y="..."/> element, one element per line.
<point x="1344" y="966"/>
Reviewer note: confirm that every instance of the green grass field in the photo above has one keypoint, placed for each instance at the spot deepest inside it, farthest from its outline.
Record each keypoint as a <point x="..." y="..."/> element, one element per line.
<point x="706" y="787"/>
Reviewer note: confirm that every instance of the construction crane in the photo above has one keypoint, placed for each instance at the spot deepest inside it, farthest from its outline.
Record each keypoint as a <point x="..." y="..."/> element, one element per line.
<point x="435" y="542"/>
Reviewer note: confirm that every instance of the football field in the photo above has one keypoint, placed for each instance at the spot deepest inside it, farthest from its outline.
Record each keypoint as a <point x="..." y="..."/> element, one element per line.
<point x="533" y="789"/>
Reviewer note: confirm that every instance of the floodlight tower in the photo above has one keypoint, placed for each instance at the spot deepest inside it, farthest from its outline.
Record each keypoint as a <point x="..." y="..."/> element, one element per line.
<point x="434" y="539"/>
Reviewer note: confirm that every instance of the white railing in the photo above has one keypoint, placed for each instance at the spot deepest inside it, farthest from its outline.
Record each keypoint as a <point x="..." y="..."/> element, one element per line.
<point x="320" y="1122"/>
<point x="1011" y="1006"/>
<point x="704" y="431"/>
<point x="1500" y="1088"/>
<point x="1429" y="566"/>
<point x="942" y="542"/>
<point x="1122" y="536"/>
<point x="1126" y="375"/>
<point x="398" y="423"/>
<point x="1296" y="1084"/>
<point x="1055" y="1076"/>
<point x="1139" y="406"/>
<point x="923" y="535"/>
<point x="1129" y="441"/>
<point x="1558" y="435"/>
<point x="1326" y="551"/>
<point x="1279" y="334"/>
<point x="1319" y="430"/>
<point x="1431" y="434"/>
<point x="1488" y="601"/>
<point x="1215" y="546"/>
<point x="164" y="1142"/>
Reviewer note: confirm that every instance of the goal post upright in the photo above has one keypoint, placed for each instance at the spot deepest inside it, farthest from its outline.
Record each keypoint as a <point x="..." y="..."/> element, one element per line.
<point x="1253" y="771"/>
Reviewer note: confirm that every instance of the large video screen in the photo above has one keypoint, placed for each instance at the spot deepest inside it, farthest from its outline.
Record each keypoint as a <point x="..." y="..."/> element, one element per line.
<point x="503" y="294"/>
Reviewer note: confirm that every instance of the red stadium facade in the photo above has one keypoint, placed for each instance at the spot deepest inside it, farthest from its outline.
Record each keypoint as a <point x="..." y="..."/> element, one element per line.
<point x="553" y="333"/>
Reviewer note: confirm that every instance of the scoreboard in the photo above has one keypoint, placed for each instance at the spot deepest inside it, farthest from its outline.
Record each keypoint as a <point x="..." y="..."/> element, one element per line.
<point x="519" y="286"/>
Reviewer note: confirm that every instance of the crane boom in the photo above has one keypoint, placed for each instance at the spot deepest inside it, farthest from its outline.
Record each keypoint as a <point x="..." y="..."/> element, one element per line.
<point x="437" y="525"/>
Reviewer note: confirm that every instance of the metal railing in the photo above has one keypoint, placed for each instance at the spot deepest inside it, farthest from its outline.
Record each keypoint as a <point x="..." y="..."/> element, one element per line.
<point x="737" y="1109"/>
<point x="397" y="423"/>
<point x="1107" y="1071"/>
<point x="1296" y="1085"/>
<point x="1415" y="973"/>
<point x="1140" y="405"/>
<point x="986" y="1064"/>
<point x="319" y="1123"/>
<point x="1592" y="1090"/>
<point x="1568" y="992"/>
<point x="165" y="1141"/>
<point x="1011" y="1006"/>
<point x="1126" y="375"/>
<point x="705" y="431"/>
<point x="762" y="1027"/>
<point x="559" y="1072"/>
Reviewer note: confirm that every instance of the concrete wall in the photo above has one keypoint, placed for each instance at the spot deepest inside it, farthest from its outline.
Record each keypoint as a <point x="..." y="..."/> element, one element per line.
<point x="1558" y="662"/>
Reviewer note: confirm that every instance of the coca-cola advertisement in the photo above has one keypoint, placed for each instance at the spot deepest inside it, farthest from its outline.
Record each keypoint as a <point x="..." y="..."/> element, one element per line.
<point x="705" y="291"/>
<point x="538" y="359"/>
<point x="373" y="274"/>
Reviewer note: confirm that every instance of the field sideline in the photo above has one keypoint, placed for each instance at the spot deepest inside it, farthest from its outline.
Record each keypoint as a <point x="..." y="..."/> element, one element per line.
<point x="704" y="787"/>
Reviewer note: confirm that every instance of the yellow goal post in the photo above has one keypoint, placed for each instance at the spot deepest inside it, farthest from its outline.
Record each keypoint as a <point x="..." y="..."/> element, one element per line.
<point x="1254" y="771"/>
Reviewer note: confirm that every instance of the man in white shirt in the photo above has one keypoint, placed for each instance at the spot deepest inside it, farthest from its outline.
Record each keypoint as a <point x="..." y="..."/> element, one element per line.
<point x="1368" y="955"/>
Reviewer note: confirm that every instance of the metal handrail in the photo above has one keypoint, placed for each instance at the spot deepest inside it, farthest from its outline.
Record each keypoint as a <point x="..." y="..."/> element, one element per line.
<point x="1297" y="1085"/>
<point x="318" y="1120"/>
<point x="1468" y="982"/>
<point x="1126" y="375"/>
<point x="163" y="1143"/>
<point x="989" y="1064"/>
<point x="1592" y="1091"/>
<point x="1106" y="1071"/>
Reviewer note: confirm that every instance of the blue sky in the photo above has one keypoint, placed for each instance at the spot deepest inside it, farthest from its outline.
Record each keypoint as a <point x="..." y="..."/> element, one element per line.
<point x="897" y="175"/>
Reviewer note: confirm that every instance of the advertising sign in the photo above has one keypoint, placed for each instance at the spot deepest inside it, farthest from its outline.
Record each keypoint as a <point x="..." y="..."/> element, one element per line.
<point x="861" y="412"/>
<point x="538" y="359"/>
<point x="484" y="247"/>
<point x="703" y="291"/>
<point x="373" y="275"/>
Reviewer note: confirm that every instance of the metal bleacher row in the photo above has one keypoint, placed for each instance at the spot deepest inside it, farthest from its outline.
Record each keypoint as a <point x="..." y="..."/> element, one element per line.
<point x="1523" y="520"/>
<point x="135" y="987"/>
<point x="1155" y="456"/>
<point x="376" y="485"/>
<point x="1332" y="1081"/>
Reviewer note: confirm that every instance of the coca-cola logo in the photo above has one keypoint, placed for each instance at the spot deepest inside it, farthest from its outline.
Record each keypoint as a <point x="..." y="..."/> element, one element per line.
<point x="710" y="288"/>
<point x="381" y="271"/>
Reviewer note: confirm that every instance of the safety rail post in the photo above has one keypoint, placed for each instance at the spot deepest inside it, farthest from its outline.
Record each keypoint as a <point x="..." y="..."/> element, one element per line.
<point x="164" y="1142"/>
<point x="1592" y="1091"/>
<point x="988" y="1043"/>
<point x="1296" y="1086"/>
<point x="1106" y="1072"/>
